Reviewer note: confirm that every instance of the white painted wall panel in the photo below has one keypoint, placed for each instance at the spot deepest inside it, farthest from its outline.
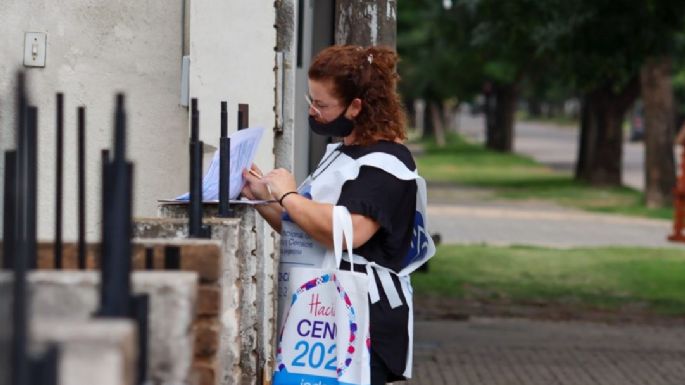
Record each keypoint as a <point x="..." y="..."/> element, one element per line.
<point x="232" y="58"/>
<point x="95" y="48"/>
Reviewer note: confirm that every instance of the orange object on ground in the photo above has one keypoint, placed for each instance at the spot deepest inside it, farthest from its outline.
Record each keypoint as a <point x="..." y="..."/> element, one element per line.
<point x="679" y="194"/>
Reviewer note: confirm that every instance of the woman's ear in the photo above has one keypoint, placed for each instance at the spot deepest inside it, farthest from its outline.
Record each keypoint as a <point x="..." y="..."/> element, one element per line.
<point x="354" y="109"/>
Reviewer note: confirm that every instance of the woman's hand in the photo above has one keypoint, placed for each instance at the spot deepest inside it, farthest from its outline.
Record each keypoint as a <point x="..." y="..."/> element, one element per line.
<point x="280" y="181"/>
<point x="255" y="188"/>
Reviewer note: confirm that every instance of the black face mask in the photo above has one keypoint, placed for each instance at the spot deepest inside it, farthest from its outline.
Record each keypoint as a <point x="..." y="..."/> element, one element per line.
<point x="338" y="127"/>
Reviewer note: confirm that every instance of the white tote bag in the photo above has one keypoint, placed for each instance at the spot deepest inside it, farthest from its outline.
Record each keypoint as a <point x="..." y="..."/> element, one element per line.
<point x="324" y="339"/>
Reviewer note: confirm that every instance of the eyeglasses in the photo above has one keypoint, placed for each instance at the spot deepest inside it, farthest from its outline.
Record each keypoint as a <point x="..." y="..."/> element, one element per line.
<point x="319" y="109"/>
<point x="311" y="104"/>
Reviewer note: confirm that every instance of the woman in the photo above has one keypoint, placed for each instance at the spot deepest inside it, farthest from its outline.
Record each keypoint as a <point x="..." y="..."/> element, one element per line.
<point x="352" y="95"/>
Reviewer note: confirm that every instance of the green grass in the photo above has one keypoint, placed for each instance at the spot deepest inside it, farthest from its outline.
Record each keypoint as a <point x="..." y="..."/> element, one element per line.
<point x="604" y="278"/>
<point x="514" y="176"/>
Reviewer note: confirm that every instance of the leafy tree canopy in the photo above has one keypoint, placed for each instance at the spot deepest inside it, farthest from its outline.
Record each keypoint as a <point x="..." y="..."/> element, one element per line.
<point x="583" y="43"/>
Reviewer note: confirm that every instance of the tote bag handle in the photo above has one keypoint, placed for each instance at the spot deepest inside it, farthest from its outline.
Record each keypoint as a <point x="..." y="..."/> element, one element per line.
<point x="342" y="227"/>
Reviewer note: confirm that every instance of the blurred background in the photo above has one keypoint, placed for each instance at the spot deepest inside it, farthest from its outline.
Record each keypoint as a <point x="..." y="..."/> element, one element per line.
<point x="612" y="70"/>
<point x="550" y="136"/>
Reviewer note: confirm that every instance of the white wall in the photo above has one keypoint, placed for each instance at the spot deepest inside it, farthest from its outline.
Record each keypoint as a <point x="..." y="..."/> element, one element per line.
<point x="232" y="58"/>
<point x="95" y="48"/>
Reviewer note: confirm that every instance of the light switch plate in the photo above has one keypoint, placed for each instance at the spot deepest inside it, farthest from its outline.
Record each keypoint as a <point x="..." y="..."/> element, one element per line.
<point x="35" y="46"/>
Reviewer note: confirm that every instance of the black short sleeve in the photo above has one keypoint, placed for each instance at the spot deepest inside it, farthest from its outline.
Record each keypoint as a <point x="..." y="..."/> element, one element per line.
<point x="391" y="202"/>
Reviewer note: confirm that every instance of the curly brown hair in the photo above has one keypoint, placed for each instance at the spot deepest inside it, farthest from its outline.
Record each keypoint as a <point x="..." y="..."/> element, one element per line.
<point x="367" y="73"/>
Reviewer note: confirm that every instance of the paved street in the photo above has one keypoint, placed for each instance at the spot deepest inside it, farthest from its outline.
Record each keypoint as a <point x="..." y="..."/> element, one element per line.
<point x="557" y="146"/>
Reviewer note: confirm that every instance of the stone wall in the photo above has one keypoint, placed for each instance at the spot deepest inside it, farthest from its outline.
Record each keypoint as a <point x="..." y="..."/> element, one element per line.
<point x="252" y="272"/>
<point x="74" y="296"/>
<point x="92" y="351"/>
<point x="226" y="231"/>
<point x="204" y="257"/>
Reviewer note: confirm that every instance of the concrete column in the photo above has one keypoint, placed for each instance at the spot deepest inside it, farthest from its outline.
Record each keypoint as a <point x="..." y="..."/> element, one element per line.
<point x="204" y="257"/>
<point x="74" y="295"/>
<point x="266" y="277"/>
<point x="93" y="351"/>
<point x="252" y="269"/>
<point x="286" y="39"/>
<point x="227" y="232"/>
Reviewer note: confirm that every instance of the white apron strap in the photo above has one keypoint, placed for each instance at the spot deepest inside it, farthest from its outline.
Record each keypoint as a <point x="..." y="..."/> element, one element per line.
<point x="405" y="282"/>
<point x="342" y="227"/>
<point x="388" y="286"/>
<point x="385" y="278"/>
<point x="374" y="296"/>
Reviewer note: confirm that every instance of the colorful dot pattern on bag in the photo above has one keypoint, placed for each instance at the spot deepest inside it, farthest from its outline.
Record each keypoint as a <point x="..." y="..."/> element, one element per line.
<point x="326" y="278"/>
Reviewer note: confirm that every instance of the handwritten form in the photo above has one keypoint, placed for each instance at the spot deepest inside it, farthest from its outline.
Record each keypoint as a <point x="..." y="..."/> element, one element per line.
<point x="244" y="145"/>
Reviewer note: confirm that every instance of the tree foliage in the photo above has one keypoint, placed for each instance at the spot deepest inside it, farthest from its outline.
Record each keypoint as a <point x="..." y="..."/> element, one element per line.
<point x="591" y="48"/>
<point x="583" y="43"/>
<point x="436" y="64"/>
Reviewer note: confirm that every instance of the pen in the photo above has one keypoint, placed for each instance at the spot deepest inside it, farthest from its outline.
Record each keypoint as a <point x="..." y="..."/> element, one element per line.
<point x="253" y="172"/>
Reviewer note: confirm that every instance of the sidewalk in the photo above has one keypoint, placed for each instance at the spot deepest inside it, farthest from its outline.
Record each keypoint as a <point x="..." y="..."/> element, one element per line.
<point x="543" y="226"/>
<point x="488" y="351"/>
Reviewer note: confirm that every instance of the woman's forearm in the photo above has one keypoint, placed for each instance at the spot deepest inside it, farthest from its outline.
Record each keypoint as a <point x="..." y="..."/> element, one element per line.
<point x="316" y="219"/>
<point x="272" y="214"/>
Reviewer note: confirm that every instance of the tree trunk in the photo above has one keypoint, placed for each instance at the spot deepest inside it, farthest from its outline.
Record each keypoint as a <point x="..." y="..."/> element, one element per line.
<point x="489" y="111"/>
<point x="657" y="96"/>
<point x="366" y="22"/>
<point x="534" y="107"/>
<point x="583" y="139"/>
<point x="438" y="124"/>
<point x="428" y="124"/>
<point x="601" y="139"/>
<point x="500" y="130"/>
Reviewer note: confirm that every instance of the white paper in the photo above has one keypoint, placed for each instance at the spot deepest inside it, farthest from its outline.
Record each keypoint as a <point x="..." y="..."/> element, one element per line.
<point x="244" y="144"/>
<point x="242" y="201"/>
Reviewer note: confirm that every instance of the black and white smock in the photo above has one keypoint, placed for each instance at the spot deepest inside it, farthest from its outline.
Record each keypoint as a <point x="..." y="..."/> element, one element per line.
<point x="379" y="181"/>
